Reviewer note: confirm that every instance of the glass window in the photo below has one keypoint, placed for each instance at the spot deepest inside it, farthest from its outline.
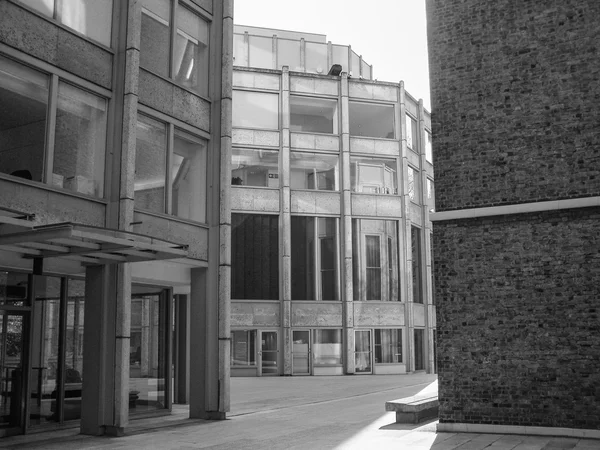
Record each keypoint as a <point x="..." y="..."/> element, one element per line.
<point x="355" y="68"/>
<point x="419" y="335"/>
<point x="24" y="100"/>
<point x="288" y="54"/>
<point x="243" y="348"/>
<point x="261" y="52"/>
<point x="255" y="110"/>
<point x="315" y="258"/>
<point x="314" y="171"/>
<point x="371" y="120"/>
<point x="150" y="164"/>
<point x="313" y="115"/>
<point x="416" y="264"/>
<point x="388" y="346"/>
<point x="340" y="56"/>
<point x="414" y="185"/>
<point x="327" y="347"/>
<point x="362" y="351"/>
<point x="80" y="141"/>
<point x="254" y="257"/>
<point x="155" y="36"/>
<point x="375" y="274"/>
<point x="430" y="195"/>
<point x="373" y="175"/>
<point x="316" y="57"/>
<point x="366" y="71"/>
<point x="428" y="148"/>
<point x="411" y="133"/>
<point x="92" y="18"/>
<point x="251" y="167"/>
<point x="188" y="177"/>
<point x="239" y="50"/>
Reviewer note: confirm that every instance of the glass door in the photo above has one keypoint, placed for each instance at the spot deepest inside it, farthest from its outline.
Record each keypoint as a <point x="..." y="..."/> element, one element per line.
<point x="362" y="351"/>
<point x="268" y="354"/>
<point x="11" y="373"/>
<point x="301" y="352"/>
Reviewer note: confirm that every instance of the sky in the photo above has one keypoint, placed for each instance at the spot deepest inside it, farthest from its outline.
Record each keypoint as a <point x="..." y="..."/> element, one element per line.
<point x="391" y="35"/>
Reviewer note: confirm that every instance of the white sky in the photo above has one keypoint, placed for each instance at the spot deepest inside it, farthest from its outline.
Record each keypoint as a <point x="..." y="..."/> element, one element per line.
<point x="391" y="35"/>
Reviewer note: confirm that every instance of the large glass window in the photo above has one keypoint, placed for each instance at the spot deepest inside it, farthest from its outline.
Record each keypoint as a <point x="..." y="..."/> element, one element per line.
<point x="315" y="258"/>
<point x="314" y="171"/>
<point x="92" y="18"/>
<point x="419" y="335"/>
<point x="316" y="57"/>
<point x="254" y="257"/>
<point x="243" y="348"/>
<point x="373" y="175"/>
<point x="371" y="120"/>
<point x="184" y="185"/>
<point x="327" y="347"/>
<point x="288" y="54"/>
<point x="411" y="133"/>
<point x="388" y="346"/>
<point x="187" y="64"/>
<point x="313" y="115"/>
<point x="417" y="265"/>
<point x="254" y="167"/>
<point x="414" y="185"/>
<point x="260" y="52"/>
<point x="255" y="110"/>
<point x="428" y="148"/>
<point x="375" y="272"/>
<point x="74" y="158"/>
<point x="430" y="195"/>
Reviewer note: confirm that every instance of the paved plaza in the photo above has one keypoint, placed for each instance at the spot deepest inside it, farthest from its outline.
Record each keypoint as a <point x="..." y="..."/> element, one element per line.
<point x="302" y="413"/>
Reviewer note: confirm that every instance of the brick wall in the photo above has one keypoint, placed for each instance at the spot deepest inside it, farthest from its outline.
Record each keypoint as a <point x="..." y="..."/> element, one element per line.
<point x="518" y="319"/>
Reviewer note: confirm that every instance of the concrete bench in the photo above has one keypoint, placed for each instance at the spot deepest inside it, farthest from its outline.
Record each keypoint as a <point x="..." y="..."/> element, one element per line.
<point x="414" y="409"/>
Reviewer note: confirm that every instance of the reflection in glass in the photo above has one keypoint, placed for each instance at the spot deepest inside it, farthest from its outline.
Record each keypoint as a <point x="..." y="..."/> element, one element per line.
<point x="243" y="348"/>
<point x="388" y="346"/>
<point x="147" y="369"/>
<point x="240" y="57"/>
<point x="414" y="190"/>
<point x="314" y="171"/>
<point x="327" y="347"/>
<point x="415" y="238"/>
<point x="155" y="36"/>
<point x="371" y="120"/>
<point x="375" y="260"/>
<point x="24" y="100"/>
<point x="316" y="58"/>
<point x="288" y="54"/>
<point x="11" y="369"/>
<point x="13" y="288"/>
<point x="428" y="148"/>
<point x="313" y="115"/>
<point x="150" y="165"/>
<point x="73" y="376"/>
<point x="269" y="353"/>
<point x="255" y="110"/>
<point x="430" y="195"/>
<point x="373" y="175"/>
<point x="191" y="51"/>
<point x="188" y="176"/>
<point x="301" y="352"/>
<point x="411" y="133"/>
<point x="80" y="141"/>
<point x="362" y="351"/>
<point x="261" y="52"/>
<point x="250" y="167"/>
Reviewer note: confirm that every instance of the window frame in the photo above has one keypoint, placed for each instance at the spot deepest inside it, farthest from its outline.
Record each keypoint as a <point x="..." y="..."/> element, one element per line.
<point x="373" y="103"/>
<point x="413" y="177"/>
<point x="337" y="181"/>
<point x="428" y="147"/>
<point x="254" y="127"/>
<point x="372" y="162"/>
<point x="400" y="335"/>
<point x="257" y="150"/>
<point x="335" y="119"/>
<point x="412" y="132"/>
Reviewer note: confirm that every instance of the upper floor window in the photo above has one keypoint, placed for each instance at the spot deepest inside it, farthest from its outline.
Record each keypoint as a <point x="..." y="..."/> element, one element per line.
<point x="176" y="50"/>
<point x="255" y="110"/>
<point x="169" y="178"/>
<point x="428" y="148"/>
<point x="414" y="191"/>
<point x="254" y="167"/>
<point x="317" y="171"/>
<point x="313" y="115"/>
<point x="373" y="175"/>
<point x="430" y="195"/>
<point x="92" y="18"/>
<point x="417" y="264"/>
<point x="411" y="133"/>
<point x="55" y="139"/>
<point x="371" y="120"/>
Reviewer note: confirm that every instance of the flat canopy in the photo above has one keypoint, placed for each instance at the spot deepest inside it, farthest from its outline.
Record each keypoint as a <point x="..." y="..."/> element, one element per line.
<point x="89" y="245"/>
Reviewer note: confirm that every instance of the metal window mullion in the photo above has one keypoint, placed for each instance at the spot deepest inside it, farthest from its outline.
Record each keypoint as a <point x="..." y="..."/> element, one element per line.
<point x="50" y="129"/>
<point x="168" y="162"/>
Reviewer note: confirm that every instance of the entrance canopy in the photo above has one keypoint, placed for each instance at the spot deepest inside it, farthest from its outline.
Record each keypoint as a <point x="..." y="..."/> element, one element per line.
<point x="86" y="244"/>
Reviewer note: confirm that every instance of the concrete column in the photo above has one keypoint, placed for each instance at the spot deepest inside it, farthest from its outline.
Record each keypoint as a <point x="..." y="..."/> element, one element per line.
<point x="346" y="229"/>
<point x="286" y="224"/>
<point x="181" y="358"/>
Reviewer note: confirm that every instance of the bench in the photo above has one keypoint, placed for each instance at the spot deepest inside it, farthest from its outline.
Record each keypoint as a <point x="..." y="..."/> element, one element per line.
<point x="414" y="409"/>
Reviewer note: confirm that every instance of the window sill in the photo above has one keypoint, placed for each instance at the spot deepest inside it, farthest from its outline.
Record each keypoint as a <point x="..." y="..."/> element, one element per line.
<point x="374" y="138"/>
<point x="315" y="133"/>
<point x="244" y="186"/>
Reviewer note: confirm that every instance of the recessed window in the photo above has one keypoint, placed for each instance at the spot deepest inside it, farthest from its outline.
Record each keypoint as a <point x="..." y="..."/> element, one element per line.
<point x="430" y="195"/>
<point x="254" y="167"/>
<point x="313" y="115"/>
<point x="315" y="258"/>
<point x="375" y="272"/>
<point x="371" y="120"/>
<point x="316" y="171"/>
<point x="428" y="148"/>
<point x="417" y="264"/>
<point x="388" y="346"/>
<point x="373" y="175"/>
<point x="243" y="348"/>
<point x="414" y="185"/>
<point x="327" y="347"/>
<point x="187" y="63"/>
<point x="72" y="157"/>
<point x="419" y="342"/>
<point x="255" y="110"/>
<point x="411" y="133"/>
<point x="92" y="18"/>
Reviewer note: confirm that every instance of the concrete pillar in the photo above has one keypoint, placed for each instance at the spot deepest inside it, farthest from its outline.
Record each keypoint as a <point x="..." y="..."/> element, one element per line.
<point x="285" y="225"/>
<point x="199" y="408"/>
<point x="346" y="229"/>
<point x="181" y="356"/>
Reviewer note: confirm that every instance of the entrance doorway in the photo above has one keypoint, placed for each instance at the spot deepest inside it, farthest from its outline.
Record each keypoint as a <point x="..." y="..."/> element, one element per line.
<point x="268" y="354"/>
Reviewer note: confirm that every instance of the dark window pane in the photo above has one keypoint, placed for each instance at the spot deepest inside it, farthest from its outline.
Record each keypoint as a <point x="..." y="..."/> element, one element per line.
<point x="371" y="120"/>
<point x="419" y="349"/>
<point x="416" y="264"/>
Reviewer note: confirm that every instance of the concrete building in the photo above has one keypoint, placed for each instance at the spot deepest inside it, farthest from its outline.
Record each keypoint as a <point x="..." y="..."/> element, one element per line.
<point x="332" y="187"/>
<point x="517" y="270"/>
<point x="114" y="220"/>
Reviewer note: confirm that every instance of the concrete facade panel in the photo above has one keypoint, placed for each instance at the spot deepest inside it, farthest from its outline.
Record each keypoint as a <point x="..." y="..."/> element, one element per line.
<point x="307" y="141"/>
<point x="364" y="205"/>
<point x="389" y="206"/>
<point x="256" y="80"/>
<point x="315" y="202"/>
<point x="263" y="200"/>
<point x="191" y="109"/>
<point x="316" y="314"/>
<point x="255" y="314"/>
<point x="370" y="91"/>
<point x="155" y="92"/>
<point x="376" y="314"/>
<point x="415" y="214"/>
<point x="374" y="146"/>
<point x="313" y="85"/>
<point x="243" y="136"/>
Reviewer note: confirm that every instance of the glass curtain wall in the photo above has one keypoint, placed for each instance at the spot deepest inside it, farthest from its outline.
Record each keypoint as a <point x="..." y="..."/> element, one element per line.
<point x="388" y="346"/>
